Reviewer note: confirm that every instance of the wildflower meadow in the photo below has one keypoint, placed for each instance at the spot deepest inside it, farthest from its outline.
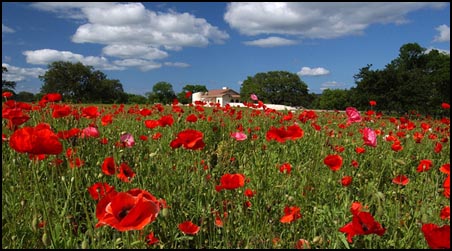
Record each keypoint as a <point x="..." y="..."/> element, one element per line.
<point x="203" y="176"/>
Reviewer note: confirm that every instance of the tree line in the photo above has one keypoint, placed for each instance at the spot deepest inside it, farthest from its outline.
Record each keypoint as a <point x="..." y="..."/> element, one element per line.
<point x="417" y="80"/>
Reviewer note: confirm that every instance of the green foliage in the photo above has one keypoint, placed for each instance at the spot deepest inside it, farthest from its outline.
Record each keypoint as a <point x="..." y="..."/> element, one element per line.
<point x="276" y="87"/>
<point x="25" y="97"/>
<point x="7" y="85"/>
<point x="162" y="92"/>
<point x="136" y="99"/>
<point x="415" y="80"/>
<point x="334" y="99"/>
<point x="190" y="88"/>
<point x="77" y="82"/>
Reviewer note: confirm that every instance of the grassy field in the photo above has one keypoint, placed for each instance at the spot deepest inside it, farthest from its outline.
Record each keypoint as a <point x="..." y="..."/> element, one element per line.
<point x="222" y="177"/>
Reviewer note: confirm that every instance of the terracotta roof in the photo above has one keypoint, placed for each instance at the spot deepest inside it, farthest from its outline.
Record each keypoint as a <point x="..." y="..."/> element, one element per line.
<point x="221" y="92"/>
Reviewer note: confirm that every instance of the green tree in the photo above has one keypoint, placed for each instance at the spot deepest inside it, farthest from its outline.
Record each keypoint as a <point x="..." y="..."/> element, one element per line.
<point x="7" y="85"/>
<point x="276" y="87"/>
<point x="136" y="99"/>
<point x="162" y="92"/>
<point x="336" y="99"/>
<point x="25" y="97"/>
<point x="77" y="82"/>
<point x="415" y="80"/>
<point x="192" y="89"/>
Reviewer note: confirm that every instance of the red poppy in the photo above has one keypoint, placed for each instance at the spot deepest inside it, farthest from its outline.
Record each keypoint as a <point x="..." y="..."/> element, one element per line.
<point x="16" y="117"/>
<point x="7" y="94"/>
<point x="124" y="211"/>
<point x="282" y="134"/>
<point x="446" y="186"/>
<point x="445" y="168"/>
<point x="191" y="118"/>
<point x="36" y="140"/>
<point x="151" y="123"/>
<point x="424" y="165"/>
<point x="166" y="120"/>
<point x="396" y="146"/>
<point x="108" y="166"/>
<point x="445" y="213"/>
<point x="73" y="132"/>
<point x="346" y="181"/>
<point x="249" y="193"/>
<point x="285" y="168"/>
<point x="362" y="223"/>
<point x="360" y="150"/>
<point x="401" y="180"/>
<point x="436" y="237"/>
<point x="231" y="181"/>
<point x="151" y="239"/>
<point x="52" y="97"/>
<point x="99" y="190"/>
<point x="188" y="227"/>
<point x="302" y="244"/>
<point x="90" y="112"/>
<point x="290" y="214"/>
<point x="445" y="105"/>
<point x="438" y="147"/>
<point x="188" y="94"/>
<point x="125" y="173"/>
<point x="189" y="139"/>
<point x="372" y="103"/>
<point x="334" y="162"/>
<point x="106" y="119"/>
<point x="60" y="111"/>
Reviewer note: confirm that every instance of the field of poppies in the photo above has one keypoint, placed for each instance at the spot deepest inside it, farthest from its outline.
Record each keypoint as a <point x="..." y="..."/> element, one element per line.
<point x="203" y="176"/>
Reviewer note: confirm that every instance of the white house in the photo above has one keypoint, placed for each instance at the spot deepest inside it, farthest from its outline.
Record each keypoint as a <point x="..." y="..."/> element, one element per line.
<point x="222" y="96"/>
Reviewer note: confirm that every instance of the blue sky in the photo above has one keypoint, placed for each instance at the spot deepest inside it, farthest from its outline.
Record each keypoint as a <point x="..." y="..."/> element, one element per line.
<point x="215" y="44"/>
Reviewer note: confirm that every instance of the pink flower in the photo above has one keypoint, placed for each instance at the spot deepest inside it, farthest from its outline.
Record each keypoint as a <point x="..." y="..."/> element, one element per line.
<point x="353" y="115"/>
<point x="254" y="97"/>
<point x="90" y="131"/>
<point x="239" y="136"/>
<point x="127" y="140"/>
<point x="370" y="137"/>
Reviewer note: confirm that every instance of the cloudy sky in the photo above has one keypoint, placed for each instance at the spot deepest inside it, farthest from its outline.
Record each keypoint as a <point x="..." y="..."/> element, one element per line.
<point x="213" y="43"/>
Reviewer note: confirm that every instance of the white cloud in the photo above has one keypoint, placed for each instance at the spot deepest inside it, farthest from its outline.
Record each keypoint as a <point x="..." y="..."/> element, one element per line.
<point x="317" y="20"/>
<point x="444" y="34"/>
<point x="47" y="56"/>
<point x="6" y="29"/>
<point x="271" y="42"/>
<point x="331" y="85"/>
<point x="143" y="65"/>
<point x="134" y="50"/>
<point x="177" y="64"/>
<point x="318" y="71"/>
<point x="18" y="74"/>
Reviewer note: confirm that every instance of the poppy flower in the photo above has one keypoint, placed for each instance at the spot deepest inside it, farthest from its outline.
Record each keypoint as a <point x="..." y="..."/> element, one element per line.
<point x="188" y="227"/>
<point x="436" y="237"/>
<point x="60" y="111"/>
<point x="151" y="239"/>
<point x="188" y="94"/>
<point x="52" y="97"/>
<point x="372" y="103"/>
<point x="290" y="214"/>
<point x="125" y="173"/>
<point x="108" y="166"/>
<point x="166" y="120"/>
<point x="302" y="244"/>
<point x="401" y="180"/>
<point x="191" y="118"/>
<point x="445" y="168"/>
<point x="7" y="94"/>
<point x="445" y="213"/>
<point x="285" y="168"/>
<point x="352" y="115"/>
<point x="249" y="193"/>
<point x="282" y="134"/>
<point x="106" y="119"/>
<point x="346" y="181"/>
<point x="230" y="182"/>
<point x="124" y="211"/>
<point x="36" y="140"/>
<point x="90" y="132"/>
<point x="189" y="139"/>
<point x="445" y="105"/>
<point x="151" y="123"/>
<point x="254" y="97"/>
<point x="99" y="190"/>
<point x="424" y="165"/>
<point x="369" y="137"/>
<point x="90" y="112"/>
<point x="127" y="140"/>
<point x="239" y="136"/>
<point x="446" y="186"/>
<point x="396" y="146"/>
<point x="363" y="223"/>
<point x="360" y="150"/>
<point x="334" y="162"/>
